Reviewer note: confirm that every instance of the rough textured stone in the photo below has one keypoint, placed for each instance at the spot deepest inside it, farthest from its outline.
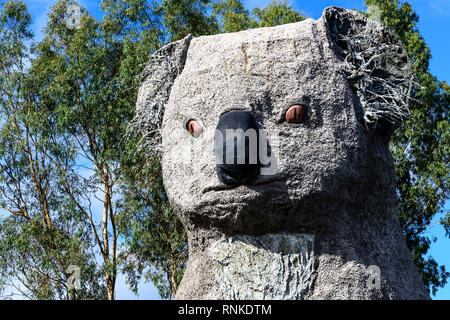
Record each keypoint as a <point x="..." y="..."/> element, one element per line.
<point x="274" y="267"/>
<point x="334" y="179"/>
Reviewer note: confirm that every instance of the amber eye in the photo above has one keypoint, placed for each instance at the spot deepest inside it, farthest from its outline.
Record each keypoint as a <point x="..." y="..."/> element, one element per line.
<point x="295" y="114"/>
<point x="194" y="128"/>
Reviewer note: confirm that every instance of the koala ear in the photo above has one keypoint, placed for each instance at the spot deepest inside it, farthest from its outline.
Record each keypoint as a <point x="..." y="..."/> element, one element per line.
<point x="157" y="79"/>
<point x="376" y="64"/>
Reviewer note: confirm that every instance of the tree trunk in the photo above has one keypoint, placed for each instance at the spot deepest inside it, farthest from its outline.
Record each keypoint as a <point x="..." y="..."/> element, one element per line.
<point x="111" y="284"/>
<point x="109" y="274"/>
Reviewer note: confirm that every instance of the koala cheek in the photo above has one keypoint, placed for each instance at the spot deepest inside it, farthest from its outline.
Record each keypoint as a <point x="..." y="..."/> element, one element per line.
<point x="203" y="164"/>
<point x="189" y="164"/>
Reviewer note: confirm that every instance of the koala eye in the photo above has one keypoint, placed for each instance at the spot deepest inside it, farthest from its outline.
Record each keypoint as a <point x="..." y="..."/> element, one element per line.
<point x="194" y="128"/>
<point x="295" y="114"/>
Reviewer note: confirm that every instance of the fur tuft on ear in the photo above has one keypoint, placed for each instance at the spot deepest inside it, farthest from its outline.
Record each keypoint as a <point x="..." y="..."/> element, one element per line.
<point x="376" y="64"/>
<point x="157" y="79"/>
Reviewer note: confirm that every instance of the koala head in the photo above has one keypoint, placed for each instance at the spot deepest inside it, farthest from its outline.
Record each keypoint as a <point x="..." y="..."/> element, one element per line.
<point x="255" y="126"/>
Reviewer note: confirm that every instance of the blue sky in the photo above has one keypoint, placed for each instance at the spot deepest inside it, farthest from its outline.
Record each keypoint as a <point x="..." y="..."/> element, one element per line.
<point x="434" y="26"/>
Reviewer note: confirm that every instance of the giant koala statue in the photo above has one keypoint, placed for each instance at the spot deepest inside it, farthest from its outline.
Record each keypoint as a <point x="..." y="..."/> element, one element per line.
<point x="317" y="217"/>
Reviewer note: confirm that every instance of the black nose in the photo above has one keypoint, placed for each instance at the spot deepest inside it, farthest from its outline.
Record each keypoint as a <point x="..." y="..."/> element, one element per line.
<point x="236" y="145"/>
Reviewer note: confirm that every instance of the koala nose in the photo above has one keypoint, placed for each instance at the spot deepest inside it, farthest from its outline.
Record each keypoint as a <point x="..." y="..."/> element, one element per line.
<point x="236" y="144"/>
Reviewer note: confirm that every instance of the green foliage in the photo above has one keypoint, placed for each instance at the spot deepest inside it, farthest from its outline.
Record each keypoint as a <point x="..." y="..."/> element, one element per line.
<point x="183" y="17"/>
<point x="169" y="20"/>
<point x="276" y="13"/>
<point x="421" y="147"/>
<point x="233" y="16"/>
<point x="30" y="264"/>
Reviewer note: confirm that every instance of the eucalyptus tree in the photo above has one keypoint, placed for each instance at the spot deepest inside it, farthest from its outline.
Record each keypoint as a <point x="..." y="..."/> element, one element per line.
<point x="87" y="83"/>
<point x="42" y="239"/>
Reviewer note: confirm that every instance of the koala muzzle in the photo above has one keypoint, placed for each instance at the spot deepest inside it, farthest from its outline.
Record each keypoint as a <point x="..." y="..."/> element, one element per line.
<point x="236" y="144"/>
